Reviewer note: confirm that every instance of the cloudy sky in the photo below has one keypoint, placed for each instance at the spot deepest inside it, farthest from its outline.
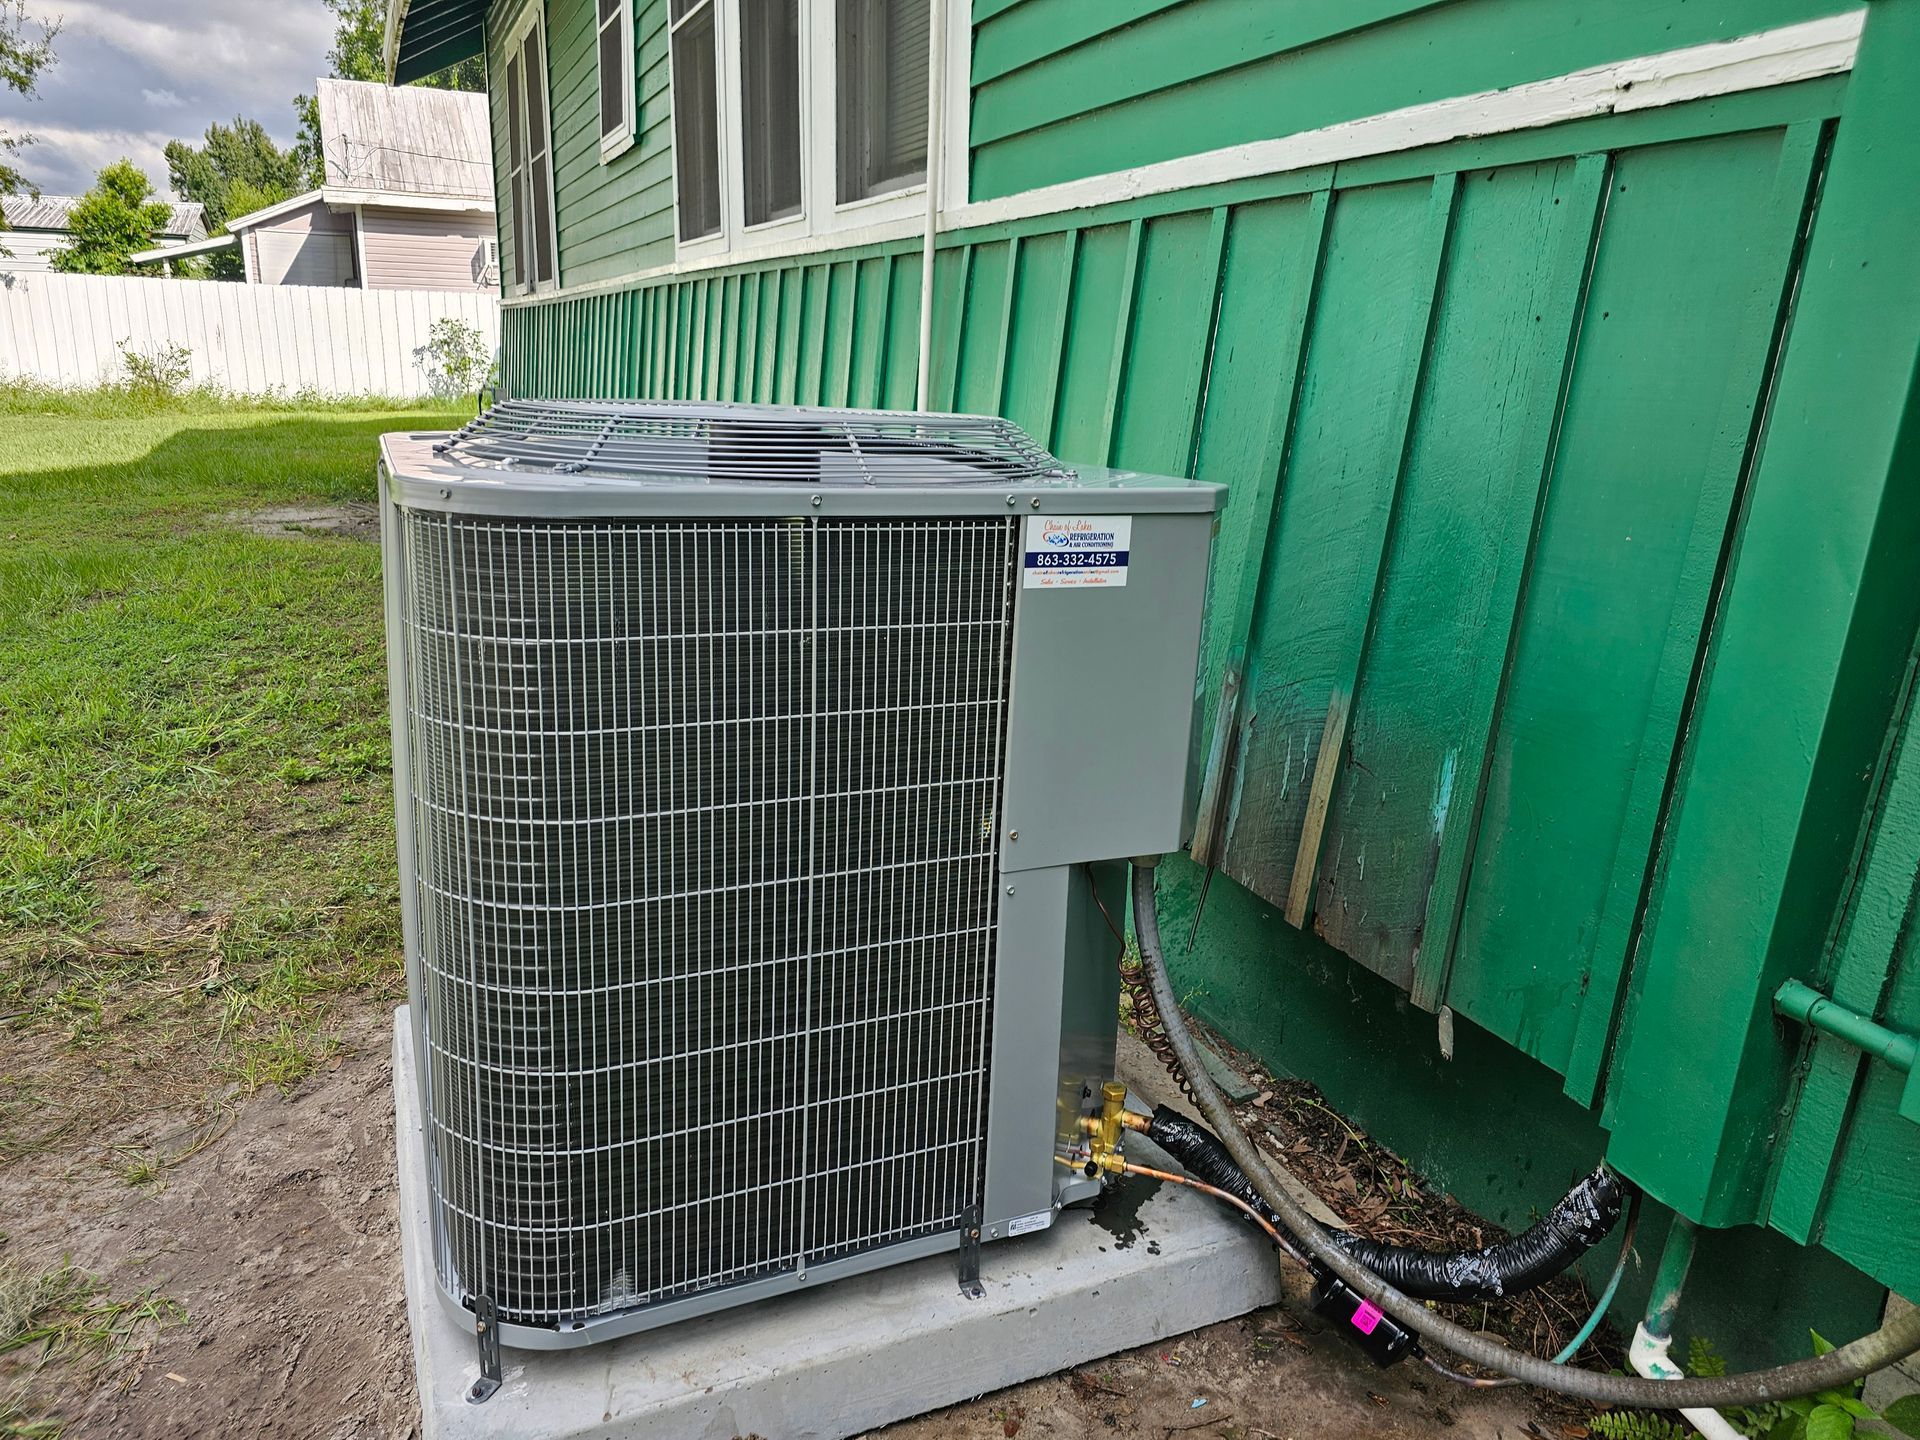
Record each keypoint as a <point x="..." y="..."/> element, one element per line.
<point x="134" y="74"/>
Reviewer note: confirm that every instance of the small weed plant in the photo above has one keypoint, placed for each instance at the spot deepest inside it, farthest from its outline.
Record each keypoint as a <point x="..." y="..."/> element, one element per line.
<point x="159" y="374"/>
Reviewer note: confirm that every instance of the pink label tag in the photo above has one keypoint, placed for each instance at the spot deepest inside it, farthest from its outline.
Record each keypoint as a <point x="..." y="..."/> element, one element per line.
<point x="1367" y="1317"/>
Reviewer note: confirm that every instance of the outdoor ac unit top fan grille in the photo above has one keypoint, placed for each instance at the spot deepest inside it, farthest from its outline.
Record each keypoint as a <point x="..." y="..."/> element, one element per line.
<point x="703" y="819"/>
<point x="726" y="444"/>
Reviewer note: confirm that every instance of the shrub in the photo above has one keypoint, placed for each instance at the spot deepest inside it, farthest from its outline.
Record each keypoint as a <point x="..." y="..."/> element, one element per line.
<point x="455" y="358"/>
<point x="159" y="373"/>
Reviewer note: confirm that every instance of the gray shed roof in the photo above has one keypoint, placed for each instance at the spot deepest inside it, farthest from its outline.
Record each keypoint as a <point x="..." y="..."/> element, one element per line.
<point x="186" y="220"/>
<point x="408" y="140"/>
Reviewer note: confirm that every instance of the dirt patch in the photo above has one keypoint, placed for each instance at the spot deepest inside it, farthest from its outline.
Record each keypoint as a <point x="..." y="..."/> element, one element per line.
<point x="277" y="1236"/>
<point x="270" y="1222"/>
<point x="1266" y="1377"/>
<point x="355" y="520"/>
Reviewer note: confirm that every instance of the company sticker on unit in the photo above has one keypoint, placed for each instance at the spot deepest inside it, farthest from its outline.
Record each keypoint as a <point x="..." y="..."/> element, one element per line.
<point x="1067" y="552"/>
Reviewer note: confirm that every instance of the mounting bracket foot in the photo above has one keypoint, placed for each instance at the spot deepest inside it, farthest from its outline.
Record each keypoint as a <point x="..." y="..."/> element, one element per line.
<point x="486" y="1330"/>
<point x="970" y="1285"/>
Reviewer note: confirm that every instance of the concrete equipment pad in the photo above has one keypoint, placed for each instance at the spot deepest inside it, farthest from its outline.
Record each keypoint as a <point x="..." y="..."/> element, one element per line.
<point x="1158" y="1260"/>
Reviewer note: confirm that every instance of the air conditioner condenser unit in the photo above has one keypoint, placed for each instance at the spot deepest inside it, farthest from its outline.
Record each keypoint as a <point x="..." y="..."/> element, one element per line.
<point x="764" y="781"/>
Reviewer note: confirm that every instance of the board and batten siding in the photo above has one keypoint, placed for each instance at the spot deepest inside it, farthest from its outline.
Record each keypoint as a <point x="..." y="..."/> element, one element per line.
<point x="1558" y="493"/>
<point x="1064" y="89"/>
<point x="614" y="216"/>
<point x="1485" y="412"/>
<point x="425" y="249"/>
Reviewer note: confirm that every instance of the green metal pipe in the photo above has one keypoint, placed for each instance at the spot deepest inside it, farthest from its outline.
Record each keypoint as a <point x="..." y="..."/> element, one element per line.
<point x="1670" y="1278"/>
<point x="1802" y="1002"/>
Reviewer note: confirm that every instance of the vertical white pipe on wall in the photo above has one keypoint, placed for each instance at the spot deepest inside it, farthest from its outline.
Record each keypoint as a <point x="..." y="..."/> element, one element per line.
<point x="936" y="133"/>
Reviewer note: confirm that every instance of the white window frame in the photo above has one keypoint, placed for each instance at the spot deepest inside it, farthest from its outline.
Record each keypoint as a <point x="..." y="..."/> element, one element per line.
<point x="530" y="18"/>
<point x="821" y="212"/>
<point x="622" y="140"/>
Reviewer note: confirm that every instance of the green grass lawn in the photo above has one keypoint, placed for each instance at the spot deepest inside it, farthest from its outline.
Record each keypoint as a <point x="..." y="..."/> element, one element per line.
<point x="196" y="853"/>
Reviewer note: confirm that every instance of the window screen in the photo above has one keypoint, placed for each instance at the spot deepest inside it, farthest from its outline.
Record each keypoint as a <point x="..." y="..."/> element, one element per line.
<point x="539" y="160"/>
<point x="616" y="71"/>
<point x="529" y="224"/>
<point x="516" y="170"/>
<point x="770" y="108"/>
<point x="882" y="73"/>
<point x="696" y="137"/>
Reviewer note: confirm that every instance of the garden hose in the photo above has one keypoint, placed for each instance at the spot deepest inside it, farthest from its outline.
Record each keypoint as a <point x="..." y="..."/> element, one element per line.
<point x="1895" y="1340"/>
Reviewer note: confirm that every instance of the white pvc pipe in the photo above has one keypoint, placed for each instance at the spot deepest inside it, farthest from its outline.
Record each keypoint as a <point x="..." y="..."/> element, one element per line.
<point x="1648" y="1356"/>
<point x="936" y="132"/>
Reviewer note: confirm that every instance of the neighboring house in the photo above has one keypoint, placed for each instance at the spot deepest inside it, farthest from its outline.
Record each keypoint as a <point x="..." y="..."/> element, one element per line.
<point x="38" y="227"/>
<point x="1553" y="697"/>
<point x="407" y="202"/>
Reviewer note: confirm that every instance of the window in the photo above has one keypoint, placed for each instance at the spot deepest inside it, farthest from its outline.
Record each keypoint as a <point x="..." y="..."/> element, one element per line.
<point x="615" y="47"/>
<point x="770" y="109"/>
<point x="882" y="72"/>
<point x="696" y="121"/>
<point x="529" y="158"/>
<point x="799" y="117"/>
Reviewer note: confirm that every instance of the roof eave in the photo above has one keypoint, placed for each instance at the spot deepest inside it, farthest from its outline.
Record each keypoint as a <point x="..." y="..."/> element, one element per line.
<point x="182" y="252"/>
<point x="425" y="36"/>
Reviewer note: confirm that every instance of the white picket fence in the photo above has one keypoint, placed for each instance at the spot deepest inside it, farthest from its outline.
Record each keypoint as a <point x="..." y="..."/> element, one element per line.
<point x="72" y="330"/>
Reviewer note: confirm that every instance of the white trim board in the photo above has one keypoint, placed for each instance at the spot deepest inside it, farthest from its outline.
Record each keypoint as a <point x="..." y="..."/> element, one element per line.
<point x="1781" y="56"/>
<point x="336" y="197"/>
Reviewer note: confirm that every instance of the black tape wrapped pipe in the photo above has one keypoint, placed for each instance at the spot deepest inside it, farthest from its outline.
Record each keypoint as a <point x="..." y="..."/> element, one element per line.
<point x="1579" y="1222"/>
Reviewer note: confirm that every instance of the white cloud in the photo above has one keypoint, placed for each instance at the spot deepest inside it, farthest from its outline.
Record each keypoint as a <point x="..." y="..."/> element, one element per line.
<point x="255" y="52"/>
<point x="84" y="153"/>
<point x="133" y="74"/>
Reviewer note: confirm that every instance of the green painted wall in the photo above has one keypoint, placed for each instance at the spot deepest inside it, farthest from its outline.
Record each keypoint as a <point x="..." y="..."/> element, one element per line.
<point x="613" y="217"/>
<point x="1066" y="88"/>
<point x="1502" y="423"/>
<point x="1491" y="1126"/>
<point x="1788" y="744"/>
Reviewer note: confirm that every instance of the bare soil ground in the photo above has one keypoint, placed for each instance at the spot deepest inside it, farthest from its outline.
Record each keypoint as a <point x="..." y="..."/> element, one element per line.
<point x="354" y="519"/>
<point x="277" y="1241"/>
<point x="274" y="1233"/>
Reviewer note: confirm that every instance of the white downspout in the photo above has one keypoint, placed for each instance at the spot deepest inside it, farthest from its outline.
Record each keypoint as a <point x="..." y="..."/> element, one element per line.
<point x="936" y="133"/>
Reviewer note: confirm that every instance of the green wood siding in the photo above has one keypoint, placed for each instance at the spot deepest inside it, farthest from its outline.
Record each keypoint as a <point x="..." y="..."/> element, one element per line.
<point x="1492" y="416"/>
<point x="1803" y="681"/>
<point x="617" y="217"/>
<point x="1064" y="89"/>
<point x="1844" y="1171"/>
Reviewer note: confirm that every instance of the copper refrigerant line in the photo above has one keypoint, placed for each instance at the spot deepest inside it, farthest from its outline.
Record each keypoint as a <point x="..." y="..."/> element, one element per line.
<point x="1122" y="1166"/>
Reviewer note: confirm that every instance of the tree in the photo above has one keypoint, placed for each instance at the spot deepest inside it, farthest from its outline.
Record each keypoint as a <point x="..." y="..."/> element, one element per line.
<point x="359" y="53"/>
<point x="240" y="154"/>
<point x="117" y="217"/>
<point x="23" y="55"/>
<point x="237" y="170"/>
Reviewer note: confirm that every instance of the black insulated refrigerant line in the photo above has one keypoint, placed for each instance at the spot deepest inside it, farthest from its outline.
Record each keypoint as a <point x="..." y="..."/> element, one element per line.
<point x="1581" y="1220"/>
<point x="1893" y="1341"/>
